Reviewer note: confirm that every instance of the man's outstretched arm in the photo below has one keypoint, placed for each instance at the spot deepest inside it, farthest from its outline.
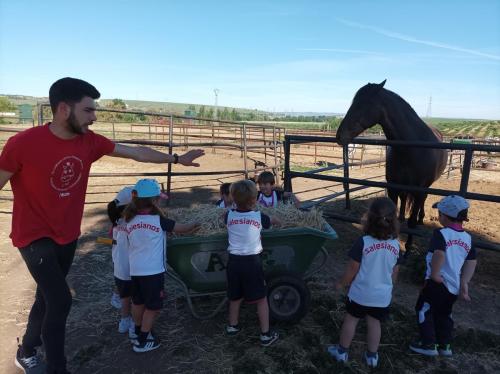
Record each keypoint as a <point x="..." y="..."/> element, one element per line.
<point x="146" y="154"/>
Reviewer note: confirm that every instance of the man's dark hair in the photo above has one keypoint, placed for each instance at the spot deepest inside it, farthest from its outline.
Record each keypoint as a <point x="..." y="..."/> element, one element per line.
<point x="70" y="91"/>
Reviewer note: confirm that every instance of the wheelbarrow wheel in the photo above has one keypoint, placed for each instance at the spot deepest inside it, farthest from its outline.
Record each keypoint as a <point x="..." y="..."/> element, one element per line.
<point x="288" y="298"/>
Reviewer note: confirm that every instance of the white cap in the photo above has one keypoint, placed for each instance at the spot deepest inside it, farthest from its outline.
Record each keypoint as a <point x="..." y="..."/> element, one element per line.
<point x="124" y="197"/>
<point x="453" y="206"/>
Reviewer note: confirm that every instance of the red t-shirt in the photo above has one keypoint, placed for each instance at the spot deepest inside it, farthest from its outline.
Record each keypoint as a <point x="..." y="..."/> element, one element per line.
<point x="49" y="182"/>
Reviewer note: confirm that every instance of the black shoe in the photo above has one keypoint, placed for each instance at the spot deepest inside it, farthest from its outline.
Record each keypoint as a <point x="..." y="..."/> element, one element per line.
<point x="424" y="349"/>
<point x="232" y="330"/>
<point x="269" y="338"/>
<point x="150" y="344"/>
<point x="29" y="364"/>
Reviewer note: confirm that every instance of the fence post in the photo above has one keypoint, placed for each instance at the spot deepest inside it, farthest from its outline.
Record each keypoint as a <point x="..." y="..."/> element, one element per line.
<point x="288" y="180"/>
<point x="466" y="171"/>
<point x="40" y="114"/>
<point x="169" y="170"/>
<point x="276" y="156"/>
<point x="113" y="127"/>
<point x="213" y="137"/>
<point x="345" y="156"/>
<point x="265" y="146"/>
<point x="241" y="141"/>
<point x="245" y="150"/>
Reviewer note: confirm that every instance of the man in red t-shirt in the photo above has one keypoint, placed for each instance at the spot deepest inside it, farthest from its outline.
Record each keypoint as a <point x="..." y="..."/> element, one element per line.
<point x="48" y="168"/>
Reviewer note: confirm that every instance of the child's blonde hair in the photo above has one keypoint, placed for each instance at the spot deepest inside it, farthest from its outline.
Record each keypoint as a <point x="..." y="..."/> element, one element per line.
<point x="244" y="194"/>
<point x="381" y="220"/>
<point x="266" y="177"/>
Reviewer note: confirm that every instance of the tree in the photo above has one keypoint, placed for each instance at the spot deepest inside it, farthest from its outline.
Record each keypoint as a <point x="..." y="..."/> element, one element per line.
<point x="225" y="114"/>
<point x="117" y="104"/>
<point x="202" y="113"/>
<point x="6" y="105"/>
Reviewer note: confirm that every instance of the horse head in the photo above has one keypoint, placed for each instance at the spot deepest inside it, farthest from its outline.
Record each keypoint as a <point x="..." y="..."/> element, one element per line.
<point x="362" y="114"/>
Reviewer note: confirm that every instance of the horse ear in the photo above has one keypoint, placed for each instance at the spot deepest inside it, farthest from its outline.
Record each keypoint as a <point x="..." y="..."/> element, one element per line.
<point x="381" y="84"/>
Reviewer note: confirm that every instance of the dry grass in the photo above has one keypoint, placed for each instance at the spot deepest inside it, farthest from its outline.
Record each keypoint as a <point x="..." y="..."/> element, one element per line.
<point x="212" y="218"/>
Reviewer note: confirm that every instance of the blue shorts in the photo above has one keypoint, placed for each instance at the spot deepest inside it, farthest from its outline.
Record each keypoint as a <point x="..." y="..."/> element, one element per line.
<point x="361" y="311"/>
<point x="124" y="287"/>
<point x="147" y="290"/>
<point x="245" y="278"/>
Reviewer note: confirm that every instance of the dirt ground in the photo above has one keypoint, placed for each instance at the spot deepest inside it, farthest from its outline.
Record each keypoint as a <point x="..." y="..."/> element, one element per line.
<point x="190" y="346"/>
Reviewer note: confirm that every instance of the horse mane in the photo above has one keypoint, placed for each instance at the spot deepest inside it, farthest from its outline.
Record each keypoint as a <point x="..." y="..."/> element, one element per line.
<point x="405" y="112"/>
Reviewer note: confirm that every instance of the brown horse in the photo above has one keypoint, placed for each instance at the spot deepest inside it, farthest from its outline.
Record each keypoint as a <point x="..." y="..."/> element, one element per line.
<point x="412" y="166"/>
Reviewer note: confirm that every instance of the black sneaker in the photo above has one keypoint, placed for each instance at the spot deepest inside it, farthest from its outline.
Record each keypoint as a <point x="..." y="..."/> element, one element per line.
<point x="29" y="364"/>
<point x="150" y="344"/>
<point x="232" y="330"/>
<point x="269" y="338"/>
<point x="424" y="349"/>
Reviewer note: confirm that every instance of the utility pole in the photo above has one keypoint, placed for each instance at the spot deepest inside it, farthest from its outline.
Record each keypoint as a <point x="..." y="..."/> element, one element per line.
<point x="429" y="108"/>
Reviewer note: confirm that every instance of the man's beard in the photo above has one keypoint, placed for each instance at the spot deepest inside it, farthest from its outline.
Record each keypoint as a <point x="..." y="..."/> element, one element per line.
<point x="74" y="125"/>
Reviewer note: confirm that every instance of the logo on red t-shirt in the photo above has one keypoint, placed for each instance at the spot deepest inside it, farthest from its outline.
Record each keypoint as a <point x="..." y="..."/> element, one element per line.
<point x="66" y="173"/>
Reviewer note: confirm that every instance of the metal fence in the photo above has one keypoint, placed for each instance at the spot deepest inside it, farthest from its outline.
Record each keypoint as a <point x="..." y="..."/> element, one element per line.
<point x="468" y="150"/>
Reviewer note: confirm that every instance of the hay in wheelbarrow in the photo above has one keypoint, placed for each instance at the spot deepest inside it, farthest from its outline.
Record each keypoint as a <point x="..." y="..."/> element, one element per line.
<point x="212" y="217"/>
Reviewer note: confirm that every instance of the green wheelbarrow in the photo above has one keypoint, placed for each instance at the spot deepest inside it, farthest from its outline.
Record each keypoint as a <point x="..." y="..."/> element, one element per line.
<point x="197" y="264"/>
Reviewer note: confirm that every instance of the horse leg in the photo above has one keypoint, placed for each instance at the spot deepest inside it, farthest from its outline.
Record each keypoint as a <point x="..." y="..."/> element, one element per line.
<point x="393" y="195"/>
<point x="418" y="200"/>
<point x="421" y="211"/>
<point x="402" y="208"/>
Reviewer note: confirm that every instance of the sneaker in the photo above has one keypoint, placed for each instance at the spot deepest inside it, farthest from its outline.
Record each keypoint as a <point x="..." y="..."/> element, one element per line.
<point x="371" y="361"/>
<point x="445" y="350"/>
<point x="232" y="330"/>
<point x="424" y="349"/>
<point x="269" y="338"/>
<point x="124" y="325"/>
<point x="150" y="344"/>
<point x="133" y="337"/>
<point x="32" y="364"/>
<point x="334" y="351"/>
<point x="116" y="302"/>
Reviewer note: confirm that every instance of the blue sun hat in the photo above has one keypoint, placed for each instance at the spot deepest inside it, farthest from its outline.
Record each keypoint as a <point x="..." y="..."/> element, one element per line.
<point x="453" y="206"/>
<point x="147" y="188"/>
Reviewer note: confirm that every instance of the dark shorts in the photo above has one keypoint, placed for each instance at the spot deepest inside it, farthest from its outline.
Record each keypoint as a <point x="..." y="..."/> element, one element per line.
<point x="245" y="278"/>
<point x="124" y="287"/>
<point x="361" y="311"/>
<point x="147" y="290"/>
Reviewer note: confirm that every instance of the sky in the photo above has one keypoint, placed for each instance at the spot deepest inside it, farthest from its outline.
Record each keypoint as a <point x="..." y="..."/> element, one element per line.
<point x="442" y="56"/>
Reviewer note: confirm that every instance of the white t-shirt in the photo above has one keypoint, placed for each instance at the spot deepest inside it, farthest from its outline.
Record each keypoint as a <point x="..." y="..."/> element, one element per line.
<point x="119" y="251"/>
<point x="270" y="201"/>
<point x="457" y="245"/>
<point x="243" y="228"/>
<point x="372" y="286"/>
<point x="147" y="243"/>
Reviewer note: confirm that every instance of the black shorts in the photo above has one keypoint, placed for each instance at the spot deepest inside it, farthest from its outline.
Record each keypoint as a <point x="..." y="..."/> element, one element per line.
<point x="124" y="287"/>
<point x="361" y="311"/>
<point x="147" y="290"/>
<point x="245" y="278"/>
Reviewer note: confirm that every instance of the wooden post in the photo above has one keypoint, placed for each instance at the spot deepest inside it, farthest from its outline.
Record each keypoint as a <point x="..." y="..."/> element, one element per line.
<point x="264" y="143"/>
<point x="170" y="146"/>
<point x="245" y="150"/>
<point x="278" y="177"/>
